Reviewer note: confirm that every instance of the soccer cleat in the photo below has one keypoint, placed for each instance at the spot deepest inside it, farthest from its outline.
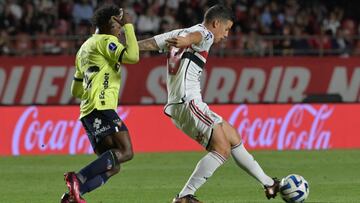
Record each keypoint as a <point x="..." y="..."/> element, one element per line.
<point x="65" y="198"/>
<point x="271" y="191"/>
<point x="72" y="183"/>
<point x="186" y="199"/>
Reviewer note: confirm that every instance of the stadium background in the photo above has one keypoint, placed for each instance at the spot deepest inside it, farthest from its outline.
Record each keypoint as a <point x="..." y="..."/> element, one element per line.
<point x="288" y="78"/>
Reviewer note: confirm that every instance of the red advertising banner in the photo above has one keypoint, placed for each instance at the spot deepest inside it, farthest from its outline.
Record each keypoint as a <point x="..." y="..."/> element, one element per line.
<point x="46" y="80"/>
<point x="56" y="129"/>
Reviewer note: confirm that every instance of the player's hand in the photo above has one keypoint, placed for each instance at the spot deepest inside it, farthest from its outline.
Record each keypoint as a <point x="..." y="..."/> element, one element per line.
<point x="179" y="42"/>
<point x="124" y="17"/>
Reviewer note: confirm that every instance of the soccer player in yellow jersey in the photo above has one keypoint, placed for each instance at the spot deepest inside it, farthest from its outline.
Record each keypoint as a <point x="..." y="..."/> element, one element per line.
<point x="97" y="82"/>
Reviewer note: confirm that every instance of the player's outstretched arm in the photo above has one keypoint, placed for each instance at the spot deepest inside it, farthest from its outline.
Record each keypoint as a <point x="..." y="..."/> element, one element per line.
<point x="181" y="42"/>
<point x="148" y="45"/>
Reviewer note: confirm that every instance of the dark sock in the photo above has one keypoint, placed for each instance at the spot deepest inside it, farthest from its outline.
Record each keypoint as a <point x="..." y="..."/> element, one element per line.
<point x="102" y="164"/>
<point x="94" y="183"/>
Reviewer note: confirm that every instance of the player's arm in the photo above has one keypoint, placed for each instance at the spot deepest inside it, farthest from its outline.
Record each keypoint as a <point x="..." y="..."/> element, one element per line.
<point x="113" y="50"/>
<point x="148" y="45"/>
<point x="130" y="53"/>
<point x="158" y="42"/>
<point x="189" y="39"/>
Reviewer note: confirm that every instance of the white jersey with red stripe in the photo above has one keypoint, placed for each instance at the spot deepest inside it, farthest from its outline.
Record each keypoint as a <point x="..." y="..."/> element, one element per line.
<point x="185" y="65"/>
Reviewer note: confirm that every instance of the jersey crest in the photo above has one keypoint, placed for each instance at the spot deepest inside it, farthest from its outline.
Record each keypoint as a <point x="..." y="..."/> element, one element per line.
<point x="112" y="46"/>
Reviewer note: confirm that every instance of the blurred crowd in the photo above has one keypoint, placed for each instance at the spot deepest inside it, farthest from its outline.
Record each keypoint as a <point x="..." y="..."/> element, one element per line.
<point x="261" y="28"/>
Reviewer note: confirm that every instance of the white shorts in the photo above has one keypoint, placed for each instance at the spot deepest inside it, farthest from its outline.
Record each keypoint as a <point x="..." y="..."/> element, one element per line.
<point x="195" y="119"/>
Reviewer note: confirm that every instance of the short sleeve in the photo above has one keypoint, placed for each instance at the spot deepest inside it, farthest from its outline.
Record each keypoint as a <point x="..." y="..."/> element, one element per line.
<point x="160" y="39"/>
<point x="206" y="42"/>
<point x="111" y="48"/>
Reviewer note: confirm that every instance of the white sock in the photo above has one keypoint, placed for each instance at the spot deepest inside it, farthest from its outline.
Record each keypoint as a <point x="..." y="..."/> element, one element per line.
<point x="204" y="170"/>
<point x="247" y="162"/>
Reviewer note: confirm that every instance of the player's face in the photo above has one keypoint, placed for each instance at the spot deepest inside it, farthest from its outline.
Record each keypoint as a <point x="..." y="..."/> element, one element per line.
<point x="221" y="30"/>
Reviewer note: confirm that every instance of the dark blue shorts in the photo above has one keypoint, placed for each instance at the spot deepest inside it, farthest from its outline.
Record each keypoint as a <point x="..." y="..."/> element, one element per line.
<point x="101" y="123"/>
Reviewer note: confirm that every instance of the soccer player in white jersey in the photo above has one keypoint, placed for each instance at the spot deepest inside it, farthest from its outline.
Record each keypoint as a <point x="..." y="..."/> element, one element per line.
<point x="187" y="53"/>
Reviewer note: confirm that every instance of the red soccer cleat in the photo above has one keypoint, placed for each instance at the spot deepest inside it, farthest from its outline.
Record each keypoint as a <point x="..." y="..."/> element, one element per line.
<point x="72" y="183"/>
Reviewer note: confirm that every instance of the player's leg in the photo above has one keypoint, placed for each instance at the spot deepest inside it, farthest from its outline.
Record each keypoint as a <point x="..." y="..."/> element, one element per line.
<point x="122" y="144"/>
<point x="219" y="152"/>
<point x="105" y="146"/>
<point x="114" y="149"/>
<point x="247" y="162"/>
<point x="100" y="170"/>
<point x="96" y="173"/>
<point x="205" y="128"/>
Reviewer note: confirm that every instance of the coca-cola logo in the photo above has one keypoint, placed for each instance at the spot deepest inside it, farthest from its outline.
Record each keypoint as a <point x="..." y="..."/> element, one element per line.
<point x="302" y="127"/>
<point x="35" y="135"/>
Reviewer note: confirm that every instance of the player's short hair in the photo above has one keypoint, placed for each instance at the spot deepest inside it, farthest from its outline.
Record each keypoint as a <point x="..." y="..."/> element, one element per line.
<point x="219" y="11"/>
<point x="103" y="14"/>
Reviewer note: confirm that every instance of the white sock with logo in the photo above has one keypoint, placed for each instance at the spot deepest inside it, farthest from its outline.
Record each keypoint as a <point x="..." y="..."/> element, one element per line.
<point x="204" y="170"/>
<point x="247" y="162"/>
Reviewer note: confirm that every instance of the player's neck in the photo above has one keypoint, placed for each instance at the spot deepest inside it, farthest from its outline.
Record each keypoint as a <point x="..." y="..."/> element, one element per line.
<point x="102" y="31"/>
<point x="208" y="26"/>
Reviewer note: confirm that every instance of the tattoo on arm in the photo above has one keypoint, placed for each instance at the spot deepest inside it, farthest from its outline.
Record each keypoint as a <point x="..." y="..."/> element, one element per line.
<point x="148" y="45"/>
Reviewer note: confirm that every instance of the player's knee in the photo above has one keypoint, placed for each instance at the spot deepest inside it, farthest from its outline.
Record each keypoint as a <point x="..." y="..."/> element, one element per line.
<point x="128" y="155"/>
<point x="232" y="134"/>
<point x="224" y="150"/>
<point x="123" y="155"/>
<point x="113" y="171"/>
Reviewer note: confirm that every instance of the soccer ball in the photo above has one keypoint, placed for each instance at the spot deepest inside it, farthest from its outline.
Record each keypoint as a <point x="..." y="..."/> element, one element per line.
<point x="294" y="188"/>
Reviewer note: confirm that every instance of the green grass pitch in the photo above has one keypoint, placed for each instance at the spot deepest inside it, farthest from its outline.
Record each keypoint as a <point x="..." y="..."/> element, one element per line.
<point x="333" y="176"/>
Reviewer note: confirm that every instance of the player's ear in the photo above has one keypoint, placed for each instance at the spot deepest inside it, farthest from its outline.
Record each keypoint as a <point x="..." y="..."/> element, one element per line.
<point x="114" y="20"/>
<point x="216" y="23"/>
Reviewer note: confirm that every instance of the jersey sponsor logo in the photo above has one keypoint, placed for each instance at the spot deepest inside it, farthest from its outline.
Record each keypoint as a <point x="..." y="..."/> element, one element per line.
<point x="105" y="85"/>
<point x="112" y="46"/>
<point x="208" y="36"/>
<point x="97" y="123"/>
<point x="101" y="130"/>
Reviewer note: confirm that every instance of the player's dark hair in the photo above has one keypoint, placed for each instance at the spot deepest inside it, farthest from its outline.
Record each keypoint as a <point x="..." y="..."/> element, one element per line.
<point x="103" y="14"/>
<point x="219" y="11"/>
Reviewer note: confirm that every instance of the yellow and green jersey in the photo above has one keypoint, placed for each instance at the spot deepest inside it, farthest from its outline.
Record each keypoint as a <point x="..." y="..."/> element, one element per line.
<point x="98" y="67"/>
